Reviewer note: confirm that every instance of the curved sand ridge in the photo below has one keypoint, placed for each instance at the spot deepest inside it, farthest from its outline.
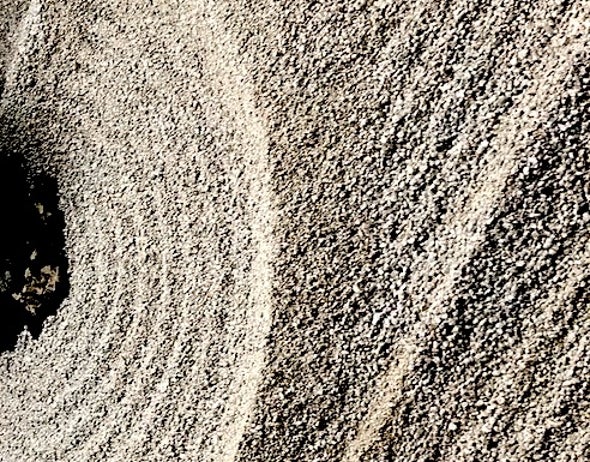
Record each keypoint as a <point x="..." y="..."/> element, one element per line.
<point x="165" y="326"/>
<point x="304" y="231"/>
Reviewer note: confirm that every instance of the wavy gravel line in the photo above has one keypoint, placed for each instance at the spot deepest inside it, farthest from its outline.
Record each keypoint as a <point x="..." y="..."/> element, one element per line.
<point x="170" y="233"/>
<point x="467" y="230"/>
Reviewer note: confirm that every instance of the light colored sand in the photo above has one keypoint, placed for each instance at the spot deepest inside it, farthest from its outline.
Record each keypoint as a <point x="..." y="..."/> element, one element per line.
<point x="329" y="231"/>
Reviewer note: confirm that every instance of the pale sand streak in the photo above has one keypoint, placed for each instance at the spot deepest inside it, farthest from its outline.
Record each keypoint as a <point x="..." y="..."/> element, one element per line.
<point x="230" y="82"/>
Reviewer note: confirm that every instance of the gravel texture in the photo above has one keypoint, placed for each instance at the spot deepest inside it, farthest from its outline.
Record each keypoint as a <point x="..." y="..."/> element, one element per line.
<point x="306" y="231"/>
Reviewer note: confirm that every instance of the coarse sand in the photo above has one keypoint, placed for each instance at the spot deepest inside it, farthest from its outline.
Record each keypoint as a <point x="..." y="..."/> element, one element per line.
<point x="305" y="230"/>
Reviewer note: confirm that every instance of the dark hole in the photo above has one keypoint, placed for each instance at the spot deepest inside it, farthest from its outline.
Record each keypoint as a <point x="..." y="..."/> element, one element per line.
<point x="33" y="264"/>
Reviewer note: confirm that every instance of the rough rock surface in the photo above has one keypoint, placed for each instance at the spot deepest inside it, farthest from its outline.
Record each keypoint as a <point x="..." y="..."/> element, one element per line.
<point x="306" y="231"/>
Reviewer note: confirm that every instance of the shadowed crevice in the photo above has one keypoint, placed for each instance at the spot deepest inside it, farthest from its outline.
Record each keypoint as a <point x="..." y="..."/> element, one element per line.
<point x="33" y="264"/>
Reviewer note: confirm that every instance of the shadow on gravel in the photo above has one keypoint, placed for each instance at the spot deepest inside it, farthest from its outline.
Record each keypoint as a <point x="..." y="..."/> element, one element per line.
<point x="33" y="264"/>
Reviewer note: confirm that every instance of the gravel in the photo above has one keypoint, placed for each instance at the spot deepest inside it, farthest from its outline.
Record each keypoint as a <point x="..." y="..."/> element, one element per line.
<point x="312" y="231"/>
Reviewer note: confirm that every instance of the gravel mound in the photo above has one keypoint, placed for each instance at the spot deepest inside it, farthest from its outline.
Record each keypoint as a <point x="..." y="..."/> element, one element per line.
<point x="313" y="231"/>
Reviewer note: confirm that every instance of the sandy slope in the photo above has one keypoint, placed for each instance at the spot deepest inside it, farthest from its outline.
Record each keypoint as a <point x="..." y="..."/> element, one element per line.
<point x="315" y="231"/>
